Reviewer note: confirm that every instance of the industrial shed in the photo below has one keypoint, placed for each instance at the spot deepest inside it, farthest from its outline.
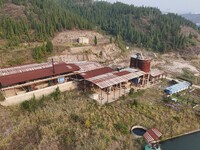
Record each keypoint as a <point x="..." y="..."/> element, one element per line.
<point x="31" y="74"/>
<point x="107" y="85"/>
<point x="177" y="87"/>
<point x="156" y="75"/>
<point x="23" y="82"/>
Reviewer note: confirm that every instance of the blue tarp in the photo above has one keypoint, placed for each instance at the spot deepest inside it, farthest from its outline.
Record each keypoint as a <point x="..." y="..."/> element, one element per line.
<point x="177" y="87"/>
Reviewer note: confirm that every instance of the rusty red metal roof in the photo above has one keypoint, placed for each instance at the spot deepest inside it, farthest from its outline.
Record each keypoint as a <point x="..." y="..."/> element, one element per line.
<point x="152" y="135"/>
<point x="121" y="73"/>
<point x="24" y="68"/>
<point x="96" y="72"/>
<point x="17" y="78"/>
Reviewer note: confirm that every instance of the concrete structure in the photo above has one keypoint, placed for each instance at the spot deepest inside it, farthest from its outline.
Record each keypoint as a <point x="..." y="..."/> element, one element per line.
<point x="152" y="138"/>
<point x="20" y="97"/>
<point x="83" y="40"/>
<point x="156" y="75"/>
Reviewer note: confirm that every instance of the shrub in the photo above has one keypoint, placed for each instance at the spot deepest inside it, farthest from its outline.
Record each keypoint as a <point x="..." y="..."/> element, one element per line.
<point x="122" y="128"/>
<point x="139" y="93"/>
<point x="32" y="105"/>
<point x="87" y="124"/>
<point x="134" y="102"/>
<point x="166" y="99"/>
<point x="49" y="47"/>
<point x="77" y="118"/>
<point x="56" y="95"/>
<point x="131" y="92"/>
<point x="176" y="118"/>
<point x="101" y="126"/>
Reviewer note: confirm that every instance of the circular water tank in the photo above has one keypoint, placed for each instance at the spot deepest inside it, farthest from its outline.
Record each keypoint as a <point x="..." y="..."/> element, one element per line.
<point x="144" y="65"/>
<point x="138" y="131"/>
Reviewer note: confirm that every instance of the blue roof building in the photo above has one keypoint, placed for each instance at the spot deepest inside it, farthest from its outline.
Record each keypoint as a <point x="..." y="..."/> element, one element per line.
<point x="177" y="87"/>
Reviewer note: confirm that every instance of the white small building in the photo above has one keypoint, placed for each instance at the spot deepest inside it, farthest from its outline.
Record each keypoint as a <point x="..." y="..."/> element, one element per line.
<point x="83" y="40"/>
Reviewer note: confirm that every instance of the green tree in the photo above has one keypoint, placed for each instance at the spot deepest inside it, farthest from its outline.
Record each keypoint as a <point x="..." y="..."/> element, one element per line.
<point x="49" y="46"/>
<point x="95" y="40"/>
<point x="111" y="39"/>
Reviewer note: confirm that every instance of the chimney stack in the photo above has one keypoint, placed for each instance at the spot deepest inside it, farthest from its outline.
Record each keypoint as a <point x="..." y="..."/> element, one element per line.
<point x="53" y="66"/>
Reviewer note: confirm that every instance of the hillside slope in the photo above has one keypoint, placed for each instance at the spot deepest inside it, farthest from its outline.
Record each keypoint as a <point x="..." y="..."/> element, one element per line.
<point x="72" y="121"/>
<point x="140" y="26"/>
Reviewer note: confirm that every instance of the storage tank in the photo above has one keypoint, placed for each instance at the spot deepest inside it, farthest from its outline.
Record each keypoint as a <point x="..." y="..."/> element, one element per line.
<point x="133" y="62"/>
<point x="144" y="65"/>
<point x="138" y="61"/>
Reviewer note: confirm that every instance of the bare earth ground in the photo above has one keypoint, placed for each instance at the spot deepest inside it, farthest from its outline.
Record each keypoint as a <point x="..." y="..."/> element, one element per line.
<point x="111" y="55"/>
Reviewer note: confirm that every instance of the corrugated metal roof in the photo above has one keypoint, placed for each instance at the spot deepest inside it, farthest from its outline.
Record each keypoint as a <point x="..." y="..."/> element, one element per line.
<point x="152" y="135"/>
<point x="177" y="87"/>
<point x="37" y="74"/>
<point x="156" y="72"/>
<point x="87" y="66"/>
<point x="133" y="70"/>
<point x="24" y="68"/>
<point x="96" y="72"/>
<point x="109" y="79"/>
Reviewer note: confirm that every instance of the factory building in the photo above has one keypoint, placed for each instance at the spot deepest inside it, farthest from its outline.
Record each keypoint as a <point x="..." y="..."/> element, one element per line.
<point x="104" y="84"/>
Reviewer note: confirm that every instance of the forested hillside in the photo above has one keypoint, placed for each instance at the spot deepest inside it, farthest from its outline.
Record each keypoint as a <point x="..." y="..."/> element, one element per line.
<point x="143" y="27"/>
<point x="40" y="21"/>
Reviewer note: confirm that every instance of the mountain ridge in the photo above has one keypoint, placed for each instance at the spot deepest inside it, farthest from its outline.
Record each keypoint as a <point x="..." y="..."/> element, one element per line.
<point x="141" y="26"/>
<point x="195" y="18"/>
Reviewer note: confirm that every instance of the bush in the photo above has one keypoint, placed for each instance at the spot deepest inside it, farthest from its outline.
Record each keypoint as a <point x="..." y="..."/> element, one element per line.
<point x="134" y="102"/>
<point x="32" y="105"/>
<point x="131" y="92"/>
<point x="77" y="118"/>
<point x="49" y="47"/>
<point x="87" y="124"/>
<point x="56" y="94"/>
<point x="176" y="118"/>
<point x="101" y="126"/>
<point x="166" y="99"/>
<point x="139" y="93"/>
<point x="122" y="128"/>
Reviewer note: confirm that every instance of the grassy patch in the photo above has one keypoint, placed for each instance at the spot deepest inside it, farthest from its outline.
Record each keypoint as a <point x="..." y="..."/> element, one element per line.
<point x="72" y="121"/>
<point x="122" y="128"/>
<point x="1" y="97"/>
<point x="188" y="75"/>
<point x="32" y="105"/>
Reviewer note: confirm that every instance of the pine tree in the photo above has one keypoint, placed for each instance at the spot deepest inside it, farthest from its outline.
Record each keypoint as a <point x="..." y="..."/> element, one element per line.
<point x="49" y="47"/>
<point x="95" y="40"/>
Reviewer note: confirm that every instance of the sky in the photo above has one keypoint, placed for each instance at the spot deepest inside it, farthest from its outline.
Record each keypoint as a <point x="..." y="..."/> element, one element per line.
<point x="175" y="6"/>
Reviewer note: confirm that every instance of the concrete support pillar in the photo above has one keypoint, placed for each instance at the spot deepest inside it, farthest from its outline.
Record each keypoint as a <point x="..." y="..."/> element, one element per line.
<point x="114" y="93"/>
<point x="101" y="97"/>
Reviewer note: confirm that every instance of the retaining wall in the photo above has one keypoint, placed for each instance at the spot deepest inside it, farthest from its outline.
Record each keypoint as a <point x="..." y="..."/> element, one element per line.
<point x="14" y="100"/>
